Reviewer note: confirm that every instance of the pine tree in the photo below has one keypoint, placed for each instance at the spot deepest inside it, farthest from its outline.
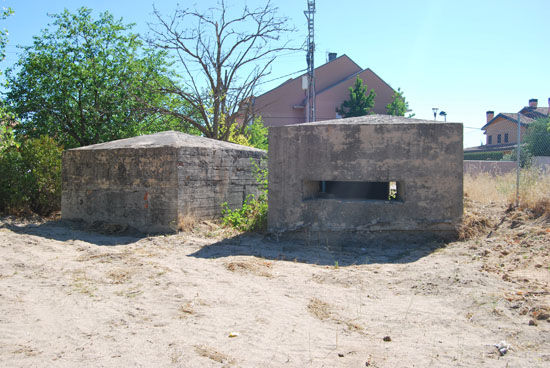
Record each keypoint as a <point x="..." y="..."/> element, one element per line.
<point x="359" y="102"/>
<point x="399" y="106"/>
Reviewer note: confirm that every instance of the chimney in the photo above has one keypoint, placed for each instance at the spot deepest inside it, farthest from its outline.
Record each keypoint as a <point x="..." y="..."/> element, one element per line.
<point x="533" y="103"/>
<point x="490" y="115"/>
<point x="331" y="56"/>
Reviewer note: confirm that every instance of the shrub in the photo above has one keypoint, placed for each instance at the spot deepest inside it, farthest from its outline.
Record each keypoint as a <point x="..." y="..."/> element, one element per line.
<point x="30" y="176"/>
<point x="42" y="159"/>
<point x="13" y="194"/>
<point x="252" y="216"/>
<point x="524" y="156"/>
<point x="537" y="138"/>
<point x="495" y="156"/>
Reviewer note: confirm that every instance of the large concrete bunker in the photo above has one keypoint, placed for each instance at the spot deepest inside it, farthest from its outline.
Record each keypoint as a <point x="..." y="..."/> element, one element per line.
<point x="364" y="175"/>
<point x="151" y="182"/>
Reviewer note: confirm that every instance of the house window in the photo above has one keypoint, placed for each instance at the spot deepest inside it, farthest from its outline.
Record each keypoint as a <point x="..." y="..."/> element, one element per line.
<point x="490" y="139"/>
<point x="354" y="190"/>
<point x="499" y="138"/>
<point x="505" y="137"/>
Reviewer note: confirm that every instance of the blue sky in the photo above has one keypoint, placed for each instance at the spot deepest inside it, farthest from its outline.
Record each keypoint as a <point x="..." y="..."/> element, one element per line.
<point x="464" y="57"/>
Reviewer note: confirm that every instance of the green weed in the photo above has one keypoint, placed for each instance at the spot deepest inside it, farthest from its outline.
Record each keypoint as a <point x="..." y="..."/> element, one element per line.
<point x="252" y="216"/>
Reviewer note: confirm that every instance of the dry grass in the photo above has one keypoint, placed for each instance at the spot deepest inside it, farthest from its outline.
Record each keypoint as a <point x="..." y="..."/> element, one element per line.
<point x="186" y="310"/>
<point x="107" y="257"/>
<point x="475" y="222"/>
<point x="257" y="267"/>
<point x="82" y="284"/>
<point x="186" y="223"/>
<point x="119" y="276"/>
<point x="213" y="354"/>
<point x="534" y="193"/>
<point x="324" y="311"/>
<point x="320" y="309"/>
<point x="485" y="188"/>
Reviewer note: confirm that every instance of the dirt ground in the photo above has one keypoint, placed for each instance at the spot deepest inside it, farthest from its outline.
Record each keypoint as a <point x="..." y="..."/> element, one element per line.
<point x="72" y="297"/>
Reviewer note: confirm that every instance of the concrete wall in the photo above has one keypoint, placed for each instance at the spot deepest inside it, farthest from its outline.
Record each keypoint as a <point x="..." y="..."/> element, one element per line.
<point x="475" y="167"/>
<point x="137" y="187"/>
<point x="424" y="157"/>
<point x="207" y="178"/>
<point x="151" y="182"/>
<point x="541" y="162"/>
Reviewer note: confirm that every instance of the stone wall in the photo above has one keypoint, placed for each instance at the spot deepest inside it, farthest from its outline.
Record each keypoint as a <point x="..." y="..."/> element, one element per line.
<point x="475" y="167"/>
<point x="151" y="182"/>
<point x="542" y="163"/>
<point x="422" y="157"/>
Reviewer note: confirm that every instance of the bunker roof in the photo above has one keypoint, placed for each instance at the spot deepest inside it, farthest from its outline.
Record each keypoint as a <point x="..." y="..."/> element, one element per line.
<point x="374" y="119"/>
<point x="167" y="139"/>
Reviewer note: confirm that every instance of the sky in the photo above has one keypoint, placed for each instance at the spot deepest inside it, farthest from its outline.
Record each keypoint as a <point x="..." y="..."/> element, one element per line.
<point x="463" y="57"/>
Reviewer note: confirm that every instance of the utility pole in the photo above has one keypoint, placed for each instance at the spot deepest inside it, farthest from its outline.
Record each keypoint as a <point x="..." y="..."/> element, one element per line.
<point x="310" y="103"/>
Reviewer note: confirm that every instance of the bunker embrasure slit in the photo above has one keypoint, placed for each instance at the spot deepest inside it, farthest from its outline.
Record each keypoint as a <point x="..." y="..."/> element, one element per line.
<point x="353" y="190"/>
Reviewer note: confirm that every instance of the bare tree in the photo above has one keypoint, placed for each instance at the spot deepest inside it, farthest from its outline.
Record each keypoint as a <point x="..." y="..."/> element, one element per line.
<point x="222" y="54"/>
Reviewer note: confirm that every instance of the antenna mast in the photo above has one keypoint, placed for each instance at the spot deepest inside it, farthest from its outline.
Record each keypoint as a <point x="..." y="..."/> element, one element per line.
<point x="310" y="103"/>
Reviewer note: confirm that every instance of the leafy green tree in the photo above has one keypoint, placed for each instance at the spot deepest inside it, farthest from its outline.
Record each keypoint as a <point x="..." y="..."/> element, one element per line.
<point x="399" y="106"/>
<point x="257" y="134"/>
<point x="5" y="117"/>
<point x="359" y="102"/>
<point x="537" y="138"/>
<point x="86" y="81"/>
<point x="253" y="135"/>
<point x="4" y="13"/>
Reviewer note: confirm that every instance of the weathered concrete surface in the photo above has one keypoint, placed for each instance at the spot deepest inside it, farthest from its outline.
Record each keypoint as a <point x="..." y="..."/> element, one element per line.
<point x="150" y="182"/>
<point x="424" y="157"/>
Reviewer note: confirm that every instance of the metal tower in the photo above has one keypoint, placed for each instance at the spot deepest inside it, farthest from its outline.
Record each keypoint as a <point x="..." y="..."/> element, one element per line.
<point x="310" y="103"/>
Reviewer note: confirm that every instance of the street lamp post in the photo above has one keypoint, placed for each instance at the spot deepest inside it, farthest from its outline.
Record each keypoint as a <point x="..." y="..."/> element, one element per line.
<point x="435" y="110"/>
<point x="444" y="114"/>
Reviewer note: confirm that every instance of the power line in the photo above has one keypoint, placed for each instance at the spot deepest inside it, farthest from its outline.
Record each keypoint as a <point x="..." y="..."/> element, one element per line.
<point x="283" y="76"/>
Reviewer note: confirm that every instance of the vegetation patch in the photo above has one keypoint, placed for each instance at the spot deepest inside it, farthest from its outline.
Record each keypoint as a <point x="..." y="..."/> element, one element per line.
<point x="253" y="266"/>
<point x="252" y="216"/>
<point x="213" y="354"/>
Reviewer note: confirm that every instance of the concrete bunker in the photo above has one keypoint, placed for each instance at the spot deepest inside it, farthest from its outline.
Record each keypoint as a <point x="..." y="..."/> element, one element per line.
<point x="359" y="176"/>
<point x="152" y="182"/>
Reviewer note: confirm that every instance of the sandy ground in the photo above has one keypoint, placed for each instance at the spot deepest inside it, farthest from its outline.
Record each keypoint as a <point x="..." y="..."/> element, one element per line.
<point x="76" y="298"/>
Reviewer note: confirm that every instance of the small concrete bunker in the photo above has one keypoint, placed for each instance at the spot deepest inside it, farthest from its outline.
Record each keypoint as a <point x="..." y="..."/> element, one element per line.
<point x="364" y="175"/>
<point x="152" y="182"/>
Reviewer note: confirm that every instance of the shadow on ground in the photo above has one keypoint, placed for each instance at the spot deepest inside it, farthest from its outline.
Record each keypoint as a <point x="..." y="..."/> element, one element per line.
<point x="63" y="230"/>
<point x="387" y="249"/>
<point x="353" y="253"/>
